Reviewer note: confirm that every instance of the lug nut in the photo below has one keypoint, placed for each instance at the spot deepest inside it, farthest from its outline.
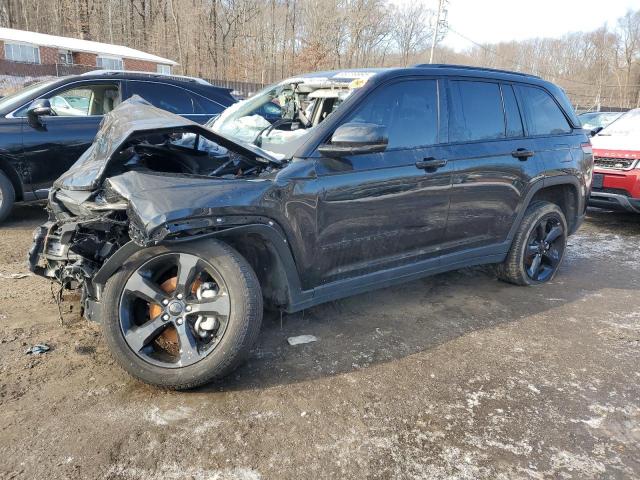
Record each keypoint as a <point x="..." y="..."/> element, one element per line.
<point x="179" y="296"/>
<point x="165" y="302"/>
<point x="179" y="321"/>
<point x="188" y="308"/>
<point x="165" y="317"/>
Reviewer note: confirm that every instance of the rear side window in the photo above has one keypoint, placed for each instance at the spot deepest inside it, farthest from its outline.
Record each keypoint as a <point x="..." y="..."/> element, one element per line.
<point x="408" y="109"/>
<point x="167" y="97"/>
<point x="476" y="112"/>
<point x="544" y="117"/>
<point x="514" y="121"/>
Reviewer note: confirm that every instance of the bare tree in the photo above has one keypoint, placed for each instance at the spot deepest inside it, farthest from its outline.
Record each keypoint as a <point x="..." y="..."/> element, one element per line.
<point x="411" y="30"/>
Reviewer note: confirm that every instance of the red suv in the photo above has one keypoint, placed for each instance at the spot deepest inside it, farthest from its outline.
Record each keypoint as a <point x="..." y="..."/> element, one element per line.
<point x="616" y="154"/>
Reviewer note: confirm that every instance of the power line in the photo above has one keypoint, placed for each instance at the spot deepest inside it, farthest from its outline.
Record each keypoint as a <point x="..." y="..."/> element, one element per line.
<point x="525" y="67"/>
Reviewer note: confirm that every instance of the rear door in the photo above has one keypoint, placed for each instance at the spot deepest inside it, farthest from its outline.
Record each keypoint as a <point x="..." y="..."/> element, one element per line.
<point x="493" y="164"/>
<point x="51" y="148"/>
<point x="554" y="140"/>
<point x="380" y="210"/>
<point x="174" y="99"/>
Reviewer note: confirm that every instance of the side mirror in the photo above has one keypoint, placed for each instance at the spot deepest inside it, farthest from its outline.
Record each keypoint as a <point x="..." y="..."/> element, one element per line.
<point x="595" y="131"/>
<point x="38" y="108"/>
<point x="356" y="138"/>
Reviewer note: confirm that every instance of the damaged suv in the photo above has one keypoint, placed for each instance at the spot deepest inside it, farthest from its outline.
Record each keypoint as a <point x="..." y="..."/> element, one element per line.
<point x="319" y="187"/>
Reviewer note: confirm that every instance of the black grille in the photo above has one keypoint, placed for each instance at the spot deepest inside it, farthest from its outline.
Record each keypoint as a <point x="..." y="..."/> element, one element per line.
<point x="615" y="163"/>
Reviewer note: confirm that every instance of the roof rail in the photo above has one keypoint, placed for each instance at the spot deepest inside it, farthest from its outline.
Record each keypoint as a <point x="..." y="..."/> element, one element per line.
<point x="469" y="67"/>
<point x="147" y="74"/>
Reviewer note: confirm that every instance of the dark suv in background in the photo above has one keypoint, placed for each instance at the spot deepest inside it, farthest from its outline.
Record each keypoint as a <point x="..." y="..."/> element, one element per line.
<point x="177" y="234"/>
<point x="45" y="127"/>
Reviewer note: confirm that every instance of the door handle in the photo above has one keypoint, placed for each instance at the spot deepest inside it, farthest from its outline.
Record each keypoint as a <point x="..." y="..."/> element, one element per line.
<point x="522" y="154"/>
<point x="430" y="164"/>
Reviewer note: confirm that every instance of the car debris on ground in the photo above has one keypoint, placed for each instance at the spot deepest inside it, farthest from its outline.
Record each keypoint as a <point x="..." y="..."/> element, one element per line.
<point x="301" y="339"/>
<point x="38" y="349"/>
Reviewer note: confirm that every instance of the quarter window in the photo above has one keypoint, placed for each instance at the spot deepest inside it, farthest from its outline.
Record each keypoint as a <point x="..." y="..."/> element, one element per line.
<point x="21" y="53"/>
<point x="408" y="109"/>
<point x="544" y="117"/>
<point x="476" y="112"/>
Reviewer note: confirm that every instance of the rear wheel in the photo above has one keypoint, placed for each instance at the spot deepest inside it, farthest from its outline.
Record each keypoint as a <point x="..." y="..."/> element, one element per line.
<point x="181" y="317"/>
<point x="7" y="196"/>
<point x="538" y="247"/>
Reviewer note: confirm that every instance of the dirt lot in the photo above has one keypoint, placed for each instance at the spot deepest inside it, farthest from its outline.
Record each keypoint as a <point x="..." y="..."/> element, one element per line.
<point x="456" y="376"/>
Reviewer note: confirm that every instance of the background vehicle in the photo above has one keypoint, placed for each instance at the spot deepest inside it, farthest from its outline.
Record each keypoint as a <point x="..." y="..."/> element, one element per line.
<point x="417" y="171"/>
<point x="45" y="127"/>
<point x="616" y="152"/>
<point x="595" y="120"/>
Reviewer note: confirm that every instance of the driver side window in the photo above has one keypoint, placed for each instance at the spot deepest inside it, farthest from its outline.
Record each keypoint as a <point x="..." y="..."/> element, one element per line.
<point x="85" y="100"/>
<point x="408" y="109"/>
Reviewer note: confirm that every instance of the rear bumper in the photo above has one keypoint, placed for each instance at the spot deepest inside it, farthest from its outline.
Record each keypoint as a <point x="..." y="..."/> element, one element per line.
<point x="614" y="201"/>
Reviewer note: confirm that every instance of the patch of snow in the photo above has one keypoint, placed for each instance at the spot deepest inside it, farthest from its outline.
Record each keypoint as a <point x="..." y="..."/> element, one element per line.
<point x="174" y="471"/>
<point x="533" y="388"/>
<point x="159" y="417"/>
<point x="581" y="465"/>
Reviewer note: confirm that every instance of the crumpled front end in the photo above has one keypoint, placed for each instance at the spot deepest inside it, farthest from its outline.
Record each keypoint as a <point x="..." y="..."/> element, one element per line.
<point x="81" y="234"/>
<point x="149" y="176"/>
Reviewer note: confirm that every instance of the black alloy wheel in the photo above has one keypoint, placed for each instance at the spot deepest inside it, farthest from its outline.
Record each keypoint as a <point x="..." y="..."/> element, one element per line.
<point x="538" y="246"/>
<point x="166" y="303"/>
<point x="545" y="247"/>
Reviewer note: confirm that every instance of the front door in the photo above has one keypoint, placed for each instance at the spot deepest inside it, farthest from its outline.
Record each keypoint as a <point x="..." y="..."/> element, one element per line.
<point x="380" y="210"/>
<point x="51" y="147"/>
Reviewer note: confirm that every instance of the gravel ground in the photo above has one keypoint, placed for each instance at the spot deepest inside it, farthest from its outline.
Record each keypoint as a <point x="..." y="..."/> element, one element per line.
<point x="457" y="376"/>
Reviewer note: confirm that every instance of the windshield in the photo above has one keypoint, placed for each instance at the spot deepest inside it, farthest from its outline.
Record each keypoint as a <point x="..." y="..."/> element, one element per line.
<point x="597" y="119"/>
<point x="13" y="101"/>
<point x="627" y="125"/>
<point x="280" y="117"/>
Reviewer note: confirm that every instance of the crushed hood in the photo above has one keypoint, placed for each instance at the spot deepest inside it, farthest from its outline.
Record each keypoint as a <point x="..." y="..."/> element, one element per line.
<point x="157" y="199"/>
<point x="130" y="118"/>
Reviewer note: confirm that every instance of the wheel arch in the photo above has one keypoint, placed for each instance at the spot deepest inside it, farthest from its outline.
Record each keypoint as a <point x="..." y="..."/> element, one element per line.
<point x="263" y="246"/>
<point x="268" y="253"/>
<point x="14" y="177"/>
<point x="563" y="190"/>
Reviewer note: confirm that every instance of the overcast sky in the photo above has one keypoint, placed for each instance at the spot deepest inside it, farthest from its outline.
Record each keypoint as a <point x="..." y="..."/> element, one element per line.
<point x="503" y="20"/>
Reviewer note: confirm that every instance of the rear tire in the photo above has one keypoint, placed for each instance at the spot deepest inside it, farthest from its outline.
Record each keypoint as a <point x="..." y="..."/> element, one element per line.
<point x="241" y="326"/>
<point x="7" y="196"/>
<point x="538" y="246"/>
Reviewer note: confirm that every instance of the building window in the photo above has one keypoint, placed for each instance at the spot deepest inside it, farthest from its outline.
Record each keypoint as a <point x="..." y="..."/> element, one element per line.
<point x="164" y="69"/>
<point x="18" y="52"/>
<point x="65" y="57"/>
<point x="109" y="63"/>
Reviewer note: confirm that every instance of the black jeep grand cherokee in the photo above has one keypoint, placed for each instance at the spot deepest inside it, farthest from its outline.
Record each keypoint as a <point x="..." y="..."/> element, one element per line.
<point x="176" y="233"/>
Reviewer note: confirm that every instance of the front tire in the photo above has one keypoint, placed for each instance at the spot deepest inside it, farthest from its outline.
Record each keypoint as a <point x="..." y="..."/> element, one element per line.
<point x="538" y="246"/>
<point x="7" y="196"/>
<point x="179" y="317"/>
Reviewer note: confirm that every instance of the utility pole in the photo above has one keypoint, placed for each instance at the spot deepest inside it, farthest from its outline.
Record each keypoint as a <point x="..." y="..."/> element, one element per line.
<point x="440" y="19"/>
